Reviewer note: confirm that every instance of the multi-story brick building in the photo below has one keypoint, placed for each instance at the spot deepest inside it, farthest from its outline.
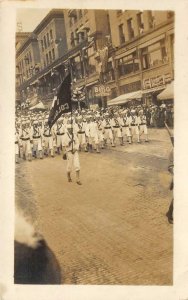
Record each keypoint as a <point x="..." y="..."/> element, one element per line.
<point x="144" y="56"/>
<point x="126" y="51"/>
<point x="38" y="55"/>
<point x="87" y="32"/>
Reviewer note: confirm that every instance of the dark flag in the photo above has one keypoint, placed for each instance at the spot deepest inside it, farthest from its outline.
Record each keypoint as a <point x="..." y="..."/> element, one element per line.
<point x="62" y="101"/>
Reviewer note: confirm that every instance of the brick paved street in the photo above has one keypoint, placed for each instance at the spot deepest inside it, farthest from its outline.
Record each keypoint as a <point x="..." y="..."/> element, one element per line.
<point x="112" y="229"/>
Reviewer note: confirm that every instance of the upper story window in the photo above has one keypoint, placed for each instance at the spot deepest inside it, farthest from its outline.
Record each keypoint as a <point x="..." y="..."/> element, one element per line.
<point x="128" y="64"/>
<point x="45" y="44"/>
<point x="152" y="21"/>
<point x="77" y="67"/>
<point x="130" y="28"/>
<point x="48" y="40"/>
<point x="119" y="12"/>
<point x="42" y="45"/>
<point x="50" y="56"/>
<point x="80" y="14"/>
<point x="51" y="34"/>
<point x="140" y="22"/>
<point x="72" y="41"/>
<point x="170" y="14"/>
<point x="53" y="54"/>
<point x="154" y="55"/>
<point x="121" y="34"/>
<point x="30" y="57"/>
<point x="47" y="59"/>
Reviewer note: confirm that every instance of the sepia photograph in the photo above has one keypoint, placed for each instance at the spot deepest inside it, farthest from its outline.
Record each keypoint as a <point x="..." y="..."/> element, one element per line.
<point x="94" y="138"/>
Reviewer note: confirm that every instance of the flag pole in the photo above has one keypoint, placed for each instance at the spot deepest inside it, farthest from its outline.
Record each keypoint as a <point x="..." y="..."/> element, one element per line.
<point x="70" y="67"/>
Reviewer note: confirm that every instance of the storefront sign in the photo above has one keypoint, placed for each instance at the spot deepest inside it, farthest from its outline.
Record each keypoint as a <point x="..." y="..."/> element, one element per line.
<point x="156" y="81"/>
<point x="102" y="90"/>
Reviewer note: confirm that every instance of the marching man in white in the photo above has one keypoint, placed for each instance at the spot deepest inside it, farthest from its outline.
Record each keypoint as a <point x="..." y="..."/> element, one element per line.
<point x="124" y="121"/>
<point x="143" y="125"/>
<point x="106" y="123"/>
<point x="26" y="140"/>
<point x="135" y="123"/>
<point x="72" y="147"/>
<point x="48" y="135"/>
<point x="37" y="139"/>
<point x="117" y="128"/>
<point x="60" y="133"/>
<point x="81" y="131"/>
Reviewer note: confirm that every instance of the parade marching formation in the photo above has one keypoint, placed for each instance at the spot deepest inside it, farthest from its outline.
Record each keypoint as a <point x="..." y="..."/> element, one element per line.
<point x="93" y="130"/>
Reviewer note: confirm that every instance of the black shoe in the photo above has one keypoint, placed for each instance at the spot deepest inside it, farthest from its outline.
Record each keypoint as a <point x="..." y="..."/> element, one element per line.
<point x="79" y="182"/>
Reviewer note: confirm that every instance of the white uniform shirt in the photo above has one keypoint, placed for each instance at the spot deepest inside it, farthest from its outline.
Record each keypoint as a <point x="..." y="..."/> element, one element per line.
<point x="71" y="142"/>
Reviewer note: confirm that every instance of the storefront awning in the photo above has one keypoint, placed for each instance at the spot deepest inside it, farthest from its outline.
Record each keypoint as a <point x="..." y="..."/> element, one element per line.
<point x="122" y="99"/>
<point x="168" y="93"/>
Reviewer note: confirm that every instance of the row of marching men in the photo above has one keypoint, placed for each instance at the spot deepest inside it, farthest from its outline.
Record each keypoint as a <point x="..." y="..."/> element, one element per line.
<point x="34" y="137"/>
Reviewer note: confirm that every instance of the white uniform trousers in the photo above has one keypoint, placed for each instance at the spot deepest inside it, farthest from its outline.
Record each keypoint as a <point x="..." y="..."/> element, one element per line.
<point x="143" y="129"/>
<point x="26" y="144"/>
<point x="108" y="133"/>
<point x="16" y="148"/>
<point x="100" y="135"/>
<point x="37" y="144"/>
<point x="73" y="161"/>
<point x="48" y="142"/>
<point x="117" y="132"/>
<point x="134" y="129"/>
<point x="82" y="138"/>
<point x="61" y="140"/>
<point x="126" y="131"/>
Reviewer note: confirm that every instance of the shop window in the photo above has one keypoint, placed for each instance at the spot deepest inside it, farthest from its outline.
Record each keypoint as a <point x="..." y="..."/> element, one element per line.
<point x="121" y="34"/>
<point x="130" y="28"/>
<point x="128" y="64"/>
<point x="113" y="93"/>
<point x="130" y="87"/>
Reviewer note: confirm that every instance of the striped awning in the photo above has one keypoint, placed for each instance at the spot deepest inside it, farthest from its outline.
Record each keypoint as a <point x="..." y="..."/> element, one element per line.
<point x="122" y="99"/>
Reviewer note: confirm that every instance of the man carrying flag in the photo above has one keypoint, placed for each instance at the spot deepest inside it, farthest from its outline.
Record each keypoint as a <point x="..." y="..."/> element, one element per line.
<point x="62" y="104"/>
